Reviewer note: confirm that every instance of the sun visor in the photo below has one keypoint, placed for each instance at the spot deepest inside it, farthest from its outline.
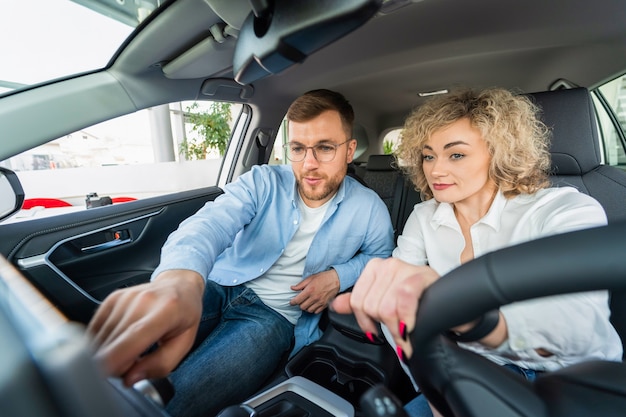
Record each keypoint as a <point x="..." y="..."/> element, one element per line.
<point x="285" y="32"/>
<point x="210" y="56"/>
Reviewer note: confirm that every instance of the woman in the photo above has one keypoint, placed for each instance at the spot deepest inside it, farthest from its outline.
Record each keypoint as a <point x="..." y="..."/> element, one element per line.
<point x="481" y="162"/>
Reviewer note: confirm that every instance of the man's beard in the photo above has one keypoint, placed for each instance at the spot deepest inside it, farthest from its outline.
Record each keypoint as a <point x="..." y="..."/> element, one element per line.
<point x="330" y="187"/>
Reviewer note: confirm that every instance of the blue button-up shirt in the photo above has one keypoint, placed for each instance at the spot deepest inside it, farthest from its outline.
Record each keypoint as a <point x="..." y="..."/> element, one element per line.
<point x="241" y="234"/>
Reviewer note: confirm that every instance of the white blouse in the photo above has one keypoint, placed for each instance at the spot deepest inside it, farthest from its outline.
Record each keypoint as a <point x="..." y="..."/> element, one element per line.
<point x="574" y="327"/>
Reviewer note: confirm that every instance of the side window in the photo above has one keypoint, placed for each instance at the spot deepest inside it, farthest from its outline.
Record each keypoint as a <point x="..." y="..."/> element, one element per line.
<point x="152" y="152"/>
<point x="612" y="121"/>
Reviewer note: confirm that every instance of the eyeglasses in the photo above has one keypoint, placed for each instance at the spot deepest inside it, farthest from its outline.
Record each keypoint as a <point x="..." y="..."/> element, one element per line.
<point x="324" y="152"/>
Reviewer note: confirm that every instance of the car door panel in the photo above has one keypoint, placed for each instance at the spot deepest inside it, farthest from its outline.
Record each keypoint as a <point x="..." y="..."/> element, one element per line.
<point x="77" y="259"/>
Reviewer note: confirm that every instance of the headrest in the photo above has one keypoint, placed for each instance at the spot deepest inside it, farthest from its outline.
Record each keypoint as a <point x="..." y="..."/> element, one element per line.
<point x="575" y="148"/>
<point x="380" y="163"/>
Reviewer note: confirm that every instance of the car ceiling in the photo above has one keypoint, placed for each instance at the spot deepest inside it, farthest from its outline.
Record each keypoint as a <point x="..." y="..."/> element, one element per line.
<point x="424" y="46"/>
<point x="410" y="46"/>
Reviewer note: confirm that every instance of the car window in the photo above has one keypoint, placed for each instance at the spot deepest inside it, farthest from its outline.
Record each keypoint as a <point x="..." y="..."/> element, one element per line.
<point x="152" y="152"/>
<point x="610" y="102"/>
<point x="83" y="36"/>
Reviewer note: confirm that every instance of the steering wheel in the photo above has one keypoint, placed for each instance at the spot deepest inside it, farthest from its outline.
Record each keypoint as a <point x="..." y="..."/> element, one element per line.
<point x="459" y="382"/>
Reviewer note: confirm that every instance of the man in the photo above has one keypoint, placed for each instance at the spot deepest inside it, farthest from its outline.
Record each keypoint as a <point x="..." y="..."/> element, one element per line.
<point x="268" y="255"/>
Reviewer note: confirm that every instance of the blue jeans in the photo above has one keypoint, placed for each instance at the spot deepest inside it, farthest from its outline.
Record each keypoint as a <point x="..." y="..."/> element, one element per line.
<point x="418" y="407"/>
<point x="240" y="343"/>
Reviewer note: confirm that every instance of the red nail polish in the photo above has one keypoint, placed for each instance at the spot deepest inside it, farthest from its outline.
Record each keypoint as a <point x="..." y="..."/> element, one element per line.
<point x="401" y="355"/>
<point x="369" y="336"/>
<point x="402" y="330"/>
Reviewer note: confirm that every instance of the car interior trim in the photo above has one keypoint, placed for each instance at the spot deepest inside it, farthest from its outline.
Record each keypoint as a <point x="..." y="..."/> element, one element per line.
<point x="44" y="259"/>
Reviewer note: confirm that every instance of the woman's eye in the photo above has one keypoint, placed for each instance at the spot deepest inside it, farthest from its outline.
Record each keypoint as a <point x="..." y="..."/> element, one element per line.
<point x="457" y="156"/>
<point x="427" y="157"/>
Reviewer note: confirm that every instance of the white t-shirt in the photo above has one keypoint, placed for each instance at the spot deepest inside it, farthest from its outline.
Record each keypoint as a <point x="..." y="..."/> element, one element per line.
<point x="574" y="327"/>
<point x="273" y="287"/>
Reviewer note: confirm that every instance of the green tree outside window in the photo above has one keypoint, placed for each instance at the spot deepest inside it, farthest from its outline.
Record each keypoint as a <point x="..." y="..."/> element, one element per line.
<point x="388" y="147"/>
<point x="213" y="127"/>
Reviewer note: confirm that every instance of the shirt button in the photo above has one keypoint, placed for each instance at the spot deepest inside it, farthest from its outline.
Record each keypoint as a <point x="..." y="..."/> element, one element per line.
<point x="234" y="281"/>
<point x="261" y="270"/>
<point x="295" y="222"/>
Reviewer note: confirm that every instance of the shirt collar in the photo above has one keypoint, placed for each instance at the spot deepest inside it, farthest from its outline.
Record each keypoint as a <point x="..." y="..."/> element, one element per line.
<point x="444" y="214"/>
<point x="494" y="215"/>
<point x="341" y="192"/>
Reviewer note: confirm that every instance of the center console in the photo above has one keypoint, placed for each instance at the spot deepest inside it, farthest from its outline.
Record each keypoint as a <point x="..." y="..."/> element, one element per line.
<point x="329" y="377"/>
<point x="299" y="397"/>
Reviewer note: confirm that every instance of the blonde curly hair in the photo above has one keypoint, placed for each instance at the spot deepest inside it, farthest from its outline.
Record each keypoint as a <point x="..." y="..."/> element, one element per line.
<point x="517" y="140"/>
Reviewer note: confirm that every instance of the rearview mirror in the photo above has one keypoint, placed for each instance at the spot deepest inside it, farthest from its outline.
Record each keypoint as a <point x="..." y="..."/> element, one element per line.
<point x="281" y="33"/>
<point x="11" y="193"/>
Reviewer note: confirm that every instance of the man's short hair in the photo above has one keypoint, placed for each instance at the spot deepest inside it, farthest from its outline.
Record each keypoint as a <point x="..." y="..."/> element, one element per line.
<point x="313" y="103"/>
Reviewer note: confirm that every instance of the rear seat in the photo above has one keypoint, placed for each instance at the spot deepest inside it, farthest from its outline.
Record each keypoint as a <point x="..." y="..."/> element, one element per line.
<point x="407" y="199"/>
<point x="382" y="176"/>
<point x="397" y="192"/>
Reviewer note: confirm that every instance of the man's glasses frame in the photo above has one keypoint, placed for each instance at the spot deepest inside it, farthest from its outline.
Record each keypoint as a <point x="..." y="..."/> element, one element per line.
<point x="322" y="152"/>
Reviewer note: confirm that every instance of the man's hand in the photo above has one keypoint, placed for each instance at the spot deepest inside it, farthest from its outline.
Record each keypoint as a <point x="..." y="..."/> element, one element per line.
<point x="388" y="292"/>
<point x="316" y="291"/>
<point x="165" y="313"/>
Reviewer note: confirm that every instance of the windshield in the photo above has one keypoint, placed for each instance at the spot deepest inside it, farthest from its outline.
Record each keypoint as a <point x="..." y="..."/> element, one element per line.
<point x="47" y="39"/>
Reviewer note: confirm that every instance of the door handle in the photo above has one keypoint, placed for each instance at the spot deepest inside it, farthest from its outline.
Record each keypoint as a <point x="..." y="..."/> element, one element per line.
<point x="120" y="237"/>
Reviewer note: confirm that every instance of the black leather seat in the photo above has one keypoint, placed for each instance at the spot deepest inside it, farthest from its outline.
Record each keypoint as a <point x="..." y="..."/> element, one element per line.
<point x="575" y="149"/>
<point x="461" y="383"/>
<point x="383" y="176"/>
<point x="576" y="161"/>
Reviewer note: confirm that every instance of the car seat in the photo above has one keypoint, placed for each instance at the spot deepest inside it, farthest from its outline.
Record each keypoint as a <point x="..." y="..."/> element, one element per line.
<point x="576" y="161"/>
<point x="575" y="149"/>
<point x="382" y="175"/>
